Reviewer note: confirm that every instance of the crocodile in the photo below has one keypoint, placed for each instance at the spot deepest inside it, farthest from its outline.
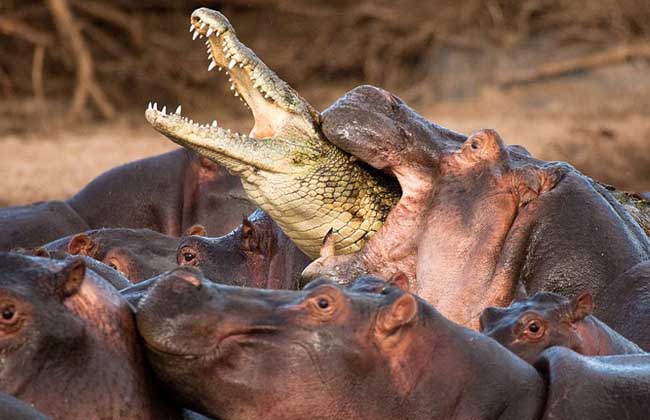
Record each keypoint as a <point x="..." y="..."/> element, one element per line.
<point x="286" y="164"/>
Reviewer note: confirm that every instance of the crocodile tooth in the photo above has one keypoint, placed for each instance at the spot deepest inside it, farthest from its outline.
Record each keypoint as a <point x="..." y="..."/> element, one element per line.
<point x="214" y="123"/>
<point x="228" y="130"/>
<point x="196" y="34"/>
<point x="232" y="87"/>
<point x="236" y="93"/>
<point x="203" y="25"/>
<point x="210" y="31"/>
<point x="218" y="33"/>
<point x="241" y="65"/>
<point x="191" y="27"/>
<point x="164" y="110"/>
<point x="149" y="105"/>
<point x="220" y="68"/>
<point x="225" y="48"/>
<point x="212" y="65"/>
<point x="178" y="110"/>
<point x="232" y="64"/>
<point x="155" y="106"/>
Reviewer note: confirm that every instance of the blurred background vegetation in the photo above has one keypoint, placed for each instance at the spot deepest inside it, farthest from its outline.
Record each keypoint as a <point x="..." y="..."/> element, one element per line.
<point x="568" y="79"/>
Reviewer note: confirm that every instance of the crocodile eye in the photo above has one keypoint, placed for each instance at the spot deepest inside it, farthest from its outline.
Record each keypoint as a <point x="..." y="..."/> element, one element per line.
<point x="533" y="327"/>
<point x="475" y="144"/>
<point x="323" y="303"/>
<point x="113" y="266"/>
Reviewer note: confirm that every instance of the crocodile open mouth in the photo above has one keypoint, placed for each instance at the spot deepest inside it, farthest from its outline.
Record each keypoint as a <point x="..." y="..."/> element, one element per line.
<point x="274" y="104"/>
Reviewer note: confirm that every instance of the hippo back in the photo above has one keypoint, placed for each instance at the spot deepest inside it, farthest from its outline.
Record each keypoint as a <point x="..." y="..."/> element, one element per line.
<point x="595" y="388"/>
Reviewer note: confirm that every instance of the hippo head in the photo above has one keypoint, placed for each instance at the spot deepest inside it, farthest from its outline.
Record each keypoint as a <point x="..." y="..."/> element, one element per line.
<point x="529" y="326"/>
<point x="136" y="253"/>
<point x="61" y="323"/>
<point x="256" y="254"/>
<point x="252" y="353"/>
<point x="34" y="320"/>
<point x="478" y="221"/>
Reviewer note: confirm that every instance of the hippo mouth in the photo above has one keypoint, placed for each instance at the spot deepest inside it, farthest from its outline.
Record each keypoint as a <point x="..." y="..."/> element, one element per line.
<point x="219" y="350"/>
<point x="275" y="106"/>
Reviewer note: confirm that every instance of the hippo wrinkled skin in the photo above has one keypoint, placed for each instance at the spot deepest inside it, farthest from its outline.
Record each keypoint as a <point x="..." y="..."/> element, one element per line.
<point x="528" y="327"/>
<point x="326" y="352"/>
<point x="478" y="221"/>
<point x="69" y="345"/>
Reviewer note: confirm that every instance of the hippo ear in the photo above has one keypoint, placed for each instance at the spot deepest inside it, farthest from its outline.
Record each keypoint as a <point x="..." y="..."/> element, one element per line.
<point x="400" y="313"/>
<point x="583" y="305"/>
<point x="484" y="146"/>
<point x="250" y="240"/>
<point x="82" y="244"/>
<point x="328" y="249"/>
<point x="71" y="277"/>
<point x="198" y="230"/>
<point x="401" y="280"/>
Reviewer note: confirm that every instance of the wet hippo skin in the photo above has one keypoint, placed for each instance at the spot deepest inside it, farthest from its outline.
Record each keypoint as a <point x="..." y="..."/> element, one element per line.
<point x="69" y="344"/>
<point x="326" y="352"/>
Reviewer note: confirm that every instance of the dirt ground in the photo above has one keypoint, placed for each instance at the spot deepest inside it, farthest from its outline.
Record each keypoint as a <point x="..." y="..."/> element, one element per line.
<point x="598" y="121"/>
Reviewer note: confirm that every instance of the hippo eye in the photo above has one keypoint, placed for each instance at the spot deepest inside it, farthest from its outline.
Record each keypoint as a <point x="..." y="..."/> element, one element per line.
<point x="323" y="303"/>
<point x="534" y="329"/>
<point x="475" y="144"/>
<point x="8" y="313"/>
<point x="188" y="256"/>
<point x="113" y="266"/>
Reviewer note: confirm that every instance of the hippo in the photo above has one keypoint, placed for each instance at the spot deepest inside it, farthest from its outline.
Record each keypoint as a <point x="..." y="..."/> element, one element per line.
<point x="167" y="193"/>
<point x="625" y="303"/>
<point x="478" y="221"/>
<point x="243" y="353"/>
<point x="38" y="223"/>
<point x="528" y="327"/>
<point x="138" y="254"/>
<point x="70" y="345"/>
<point x="14" y="409"/>
<point x="595" y="387"/>
<point x="256" y="254"/>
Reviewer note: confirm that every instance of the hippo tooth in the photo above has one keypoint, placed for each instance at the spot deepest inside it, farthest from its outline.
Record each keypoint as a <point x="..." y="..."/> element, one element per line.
<point x="214" y="123"/>
<point x="155" y="106"/>
<point x="178" y="110"/>
<point x="164" y="110"/>
<point x="196" y="34"/>
<point x="212" y="65"/>
<point x="232" y="64"/>
<point x="210" y="31"/>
